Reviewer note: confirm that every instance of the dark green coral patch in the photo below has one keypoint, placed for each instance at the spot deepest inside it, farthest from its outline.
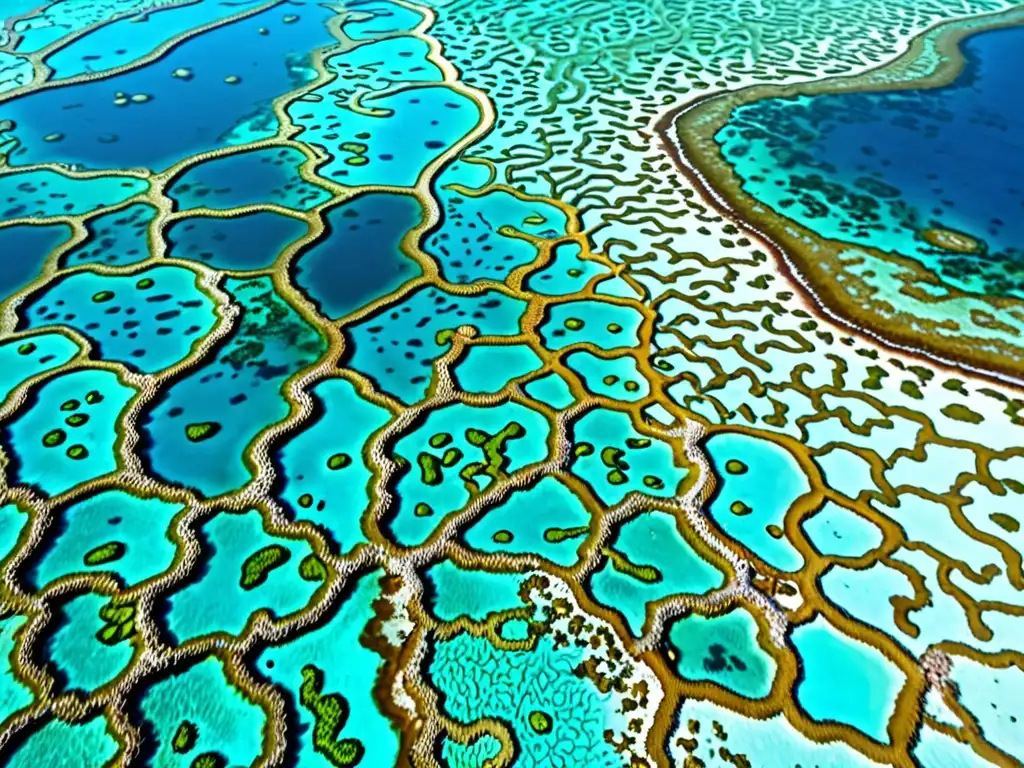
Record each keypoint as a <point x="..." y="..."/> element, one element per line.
<point x="105" y="553"/>
<point x="339" y="461"/>
<point x="440" y="440"/>
<point x="540" y="722"/>
<point x="259" y="564"/>
<point x="638" y="442"/>
<point x="54" y="438"/>
<point x="93" y="397"/>
<point x="78" y="452"/>
<point x="312" y="568"/>
<point x="582" y="449"/>
<point x="200" y="431"/>
<point x="502" y="537"/>
<point x="557" y="535"/>
<point x="653" y="482"/>
<point x="451" y="457"/>
<point x="185" y="737"/>
<point x="330" y="711"/>
<point x="118" y="623"/>
<point x="423" y="509"/>
<point x="306" y="500"/>
<point x="27" y="348"/>
<point x="76" y="419"/>
<point x="735" y="467"/>
<point x="145" y="284"/>
<point x="430" y="469"/>
<point x="70" y="405"/>
<point x="102" y="296"/>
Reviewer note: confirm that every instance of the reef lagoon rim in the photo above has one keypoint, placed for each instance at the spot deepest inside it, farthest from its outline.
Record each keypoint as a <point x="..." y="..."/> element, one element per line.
<point x="884" y="294"/>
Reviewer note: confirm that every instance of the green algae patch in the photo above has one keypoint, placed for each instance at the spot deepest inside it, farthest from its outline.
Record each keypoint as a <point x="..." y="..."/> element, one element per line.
<point x="330" y="711"/>
<point x="574" y="323"/>
<point x="70" y="405"/>
<point x="27" y="348"/>
<point x="77" y="452"/>
<point x="185" y="737"/>
<point x="54" y="437"/>
<point x="77" y="419"/>
<point x="102" y="296"/>
<point x="638" y="443"/>
<point x="735" y="467"/>
<point x="557" y="535"/>
<point x="451" y="457"/>
<point x="118" y="623"/>
<point x="959" y="412"/>
<point x="200" y="431"/>
<point x="440" y="440"/>
<point x="311" y="568"/>
<point x="739" y="508"/>
<point x="502" y="537"/>
<point x="540" y="722"/>
<point x="105" y="553"/>
<point x="423" y="509"/>
<point x="257" y="566"/>
<point x="648" y="574"/>
<point x="430" y="469"/>
<point x="92" y="397"/>
<point x="339" y="461"/>
<point x="582" y="449"/>
<point x="1004" y="521"/>
<point x="654" y="483"/>
<point x="145" y="284"/>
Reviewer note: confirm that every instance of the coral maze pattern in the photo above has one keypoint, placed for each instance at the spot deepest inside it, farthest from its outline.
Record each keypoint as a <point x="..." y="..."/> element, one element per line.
<point x="383" y="385"/>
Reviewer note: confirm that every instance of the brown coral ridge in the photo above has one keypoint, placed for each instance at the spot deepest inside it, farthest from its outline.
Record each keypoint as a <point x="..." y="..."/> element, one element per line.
<point x="815" y="263"/>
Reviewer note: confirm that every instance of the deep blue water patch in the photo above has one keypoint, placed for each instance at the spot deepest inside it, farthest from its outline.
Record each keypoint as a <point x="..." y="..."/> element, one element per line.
<point x="106" y="124"/>
<point x="252" y="241"/>
<point x="358" y="258"/>
<point x="884" y="168"/>
<point x="25" y="248"/>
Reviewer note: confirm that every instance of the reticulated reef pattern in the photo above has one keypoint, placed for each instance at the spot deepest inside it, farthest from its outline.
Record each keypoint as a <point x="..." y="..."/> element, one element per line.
<point x="491" y="383"/>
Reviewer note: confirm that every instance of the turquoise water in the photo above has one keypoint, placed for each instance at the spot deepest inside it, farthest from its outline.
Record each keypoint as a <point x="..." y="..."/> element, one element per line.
<point x="82" y="661"/>
<point x="522" y="682"/>
<point x="474" y="594"/>
<point x="31" y="355"/>
<point x="141" y="525"/>
<point x="239" y="391"/>
<point x="551" y="390"/>
<point x="546" y="520"/>
<point x="218" y="602"/>
<point x="486" y="369"/>
<point x="567" y="272"/>
<point x="768" y="486"/>
<point x="86" y="745"/>
<point x="723" y="650"/>
<point x="151" y="319"/>
<point x="603" y="325"/>
<point x="841" y="533"/>
<point x="333" y="495"/>
<point x="226" y="721"/>
<point x="13" y="695"/>
<point x="68" y="435"/>
<point x="398" y="347"/>
<point x="653" y="541"/>
<point x="614" y="458"/>
<point x="474" y="755"/>
<point x="350" y="670"/>
<point x="446" y="442"/>
<point x="479" y="237"/>
<point x="870" y="683"/>
<point x="617" y="378"/>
